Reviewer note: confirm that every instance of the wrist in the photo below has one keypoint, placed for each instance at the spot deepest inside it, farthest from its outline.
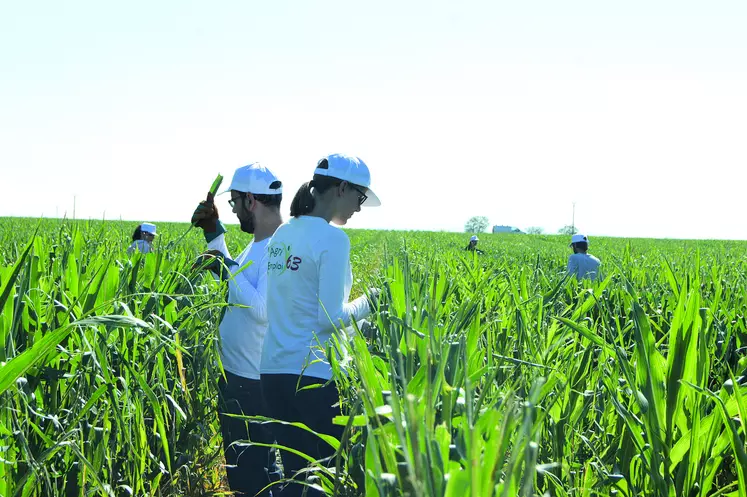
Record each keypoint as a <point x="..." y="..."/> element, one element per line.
<point x="372" y="299"/>
<point x="212" y="235"/>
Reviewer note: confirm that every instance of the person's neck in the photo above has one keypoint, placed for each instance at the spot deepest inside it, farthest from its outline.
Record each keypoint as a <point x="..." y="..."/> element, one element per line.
<point x="322" y="211"/>
<point x="266" y="229"/>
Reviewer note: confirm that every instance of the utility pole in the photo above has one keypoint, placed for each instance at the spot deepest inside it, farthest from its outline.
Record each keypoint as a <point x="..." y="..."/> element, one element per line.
<point x="573" y="219"/>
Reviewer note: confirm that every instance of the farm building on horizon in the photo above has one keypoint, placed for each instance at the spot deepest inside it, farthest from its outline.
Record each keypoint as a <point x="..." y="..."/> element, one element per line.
<point x="506" y="229"/>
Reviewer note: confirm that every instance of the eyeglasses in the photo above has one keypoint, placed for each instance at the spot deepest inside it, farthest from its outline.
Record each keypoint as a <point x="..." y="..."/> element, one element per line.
<point x="233" y="201"/>
<point x="361" y="197"/>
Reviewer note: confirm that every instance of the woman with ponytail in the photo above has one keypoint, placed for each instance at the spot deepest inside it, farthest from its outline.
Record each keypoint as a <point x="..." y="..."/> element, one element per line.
<point x="308" y="285"/>
<point x="142" y="238"/>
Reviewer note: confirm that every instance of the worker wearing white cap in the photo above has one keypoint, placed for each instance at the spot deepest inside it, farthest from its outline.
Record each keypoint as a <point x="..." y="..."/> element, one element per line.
<point x="256" y="194"/>
<point x="309" y="283"/>
<point x="472" y="246"/>
<point x="581" y="264"/>
<point x="142" y="238"/>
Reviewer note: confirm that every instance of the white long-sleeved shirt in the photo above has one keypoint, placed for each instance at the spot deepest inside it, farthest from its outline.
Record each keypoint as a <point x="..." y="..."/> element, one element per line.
<point x="308" y="286"/>
<point x="242" y="330"/>
<point x="584" y="266"/>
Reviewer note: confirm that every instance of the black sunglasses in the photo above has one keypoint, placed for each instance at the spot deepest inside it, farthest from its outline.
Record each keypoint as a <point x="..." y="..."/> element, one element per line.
<point x="362" y="197"/>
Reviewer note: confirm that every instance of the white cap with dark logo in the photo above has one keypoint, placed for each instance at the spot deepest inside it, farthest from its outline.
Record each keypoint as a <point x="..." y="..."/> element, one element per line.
<point x="351" y="169"/>
<point x="256" y="179"/>
<point x="579" y="238"/>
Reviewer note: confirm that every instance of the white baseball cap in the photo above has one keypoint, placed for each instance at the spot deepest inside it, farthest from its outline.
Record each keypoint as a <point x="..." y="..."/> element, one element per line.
<point x="256" y="179"/>
<point x="148" y="228"/>
<point x="473" y="238"/>
<point x="579" y="238"/>
<point x="351" y="169"/>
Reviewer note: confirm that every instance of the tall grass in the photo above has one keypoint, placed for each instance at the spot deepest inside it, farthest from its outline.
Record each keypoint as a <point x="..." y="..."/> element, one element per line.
<point x="110" y="369"/>
<point x="484" y="375"/>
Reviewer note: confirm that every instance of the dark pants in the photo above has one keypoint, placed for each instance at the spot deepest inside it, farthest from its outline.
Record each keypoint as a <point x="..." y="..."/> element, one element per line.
<point x="249" y="468"/>
<point x="314" y="408"/>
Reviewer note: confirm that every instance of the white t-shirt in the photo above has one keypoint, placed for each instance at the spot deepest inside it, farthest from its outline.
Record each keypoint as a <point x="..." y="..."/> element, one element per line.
<point x="308" y="286"/>
<point x="584" y="266"/>
<point x="243" y="329"/>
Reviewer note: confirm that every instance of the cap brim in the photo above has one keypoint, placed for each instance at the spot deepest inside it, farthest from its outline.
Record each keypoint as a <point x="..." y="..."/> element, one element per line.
<point x="279" y="191"/>
<point x="372" y="200"/>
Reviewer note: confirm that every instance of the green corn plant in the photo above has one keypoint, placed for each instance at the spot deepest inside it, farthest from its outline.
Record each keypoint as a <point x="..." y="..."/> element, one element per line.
<point x="480" y="375"/>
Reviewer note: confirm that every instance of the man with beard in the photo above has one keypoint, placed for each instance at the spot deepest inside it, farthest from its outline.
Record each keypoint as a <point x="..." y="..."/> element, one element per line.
<point x="256" y="194"/>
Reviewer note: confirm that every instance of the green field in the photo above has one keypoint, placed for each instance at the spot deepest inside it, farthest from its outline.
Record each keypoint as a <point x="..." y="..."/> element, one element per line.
<point x="486" y="375"/>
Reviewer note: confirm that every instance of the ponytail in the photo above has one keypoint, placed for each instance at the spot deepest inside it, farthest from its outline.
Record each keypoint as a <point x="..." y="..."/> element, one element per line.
<point x="138" y="234"/>
<point x="303" y="203"/>
<point x="305" y="200"/>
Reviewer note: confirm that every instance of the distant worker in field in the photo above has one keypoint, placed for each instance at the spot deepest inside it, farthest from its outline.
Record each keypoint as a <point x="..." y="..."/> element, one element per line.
<point x="256" y="194"/>
<point x="581" y="264"/>
<point x="472" y="246"/>
<point x="142" y="239"/>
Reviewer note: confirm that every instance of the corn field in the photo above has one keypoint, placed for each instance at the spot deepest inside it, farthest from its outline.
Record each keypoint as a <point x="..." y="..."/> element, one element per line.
<point x="483" y="375"/>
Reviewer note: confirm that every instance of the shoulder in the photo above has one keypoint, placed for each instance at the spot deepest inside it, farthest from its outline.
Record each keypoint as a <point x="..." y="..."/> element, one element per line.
<point x="286" y="234"/>
<point x="284" y="229"/>
<point x="336" y="234"/>
<point x="334" y="239"/>
<point x="316" y="231"/>
<point x="258" y="250"/>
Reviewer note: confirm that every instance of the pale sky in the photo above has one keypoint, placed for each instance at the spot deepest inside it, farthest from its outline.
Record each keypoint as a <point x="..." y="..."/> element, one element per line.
<point x="636" y="110"/>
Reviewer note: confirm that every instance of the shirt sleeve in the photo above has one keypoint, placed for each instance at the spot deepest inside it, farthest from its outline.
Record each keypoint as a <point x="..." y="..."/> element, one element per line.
<point x="334" y="264"/>
<point x="244" y="293"/>
<point x="219" y="244"/>
<point x="241" y="289"/>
